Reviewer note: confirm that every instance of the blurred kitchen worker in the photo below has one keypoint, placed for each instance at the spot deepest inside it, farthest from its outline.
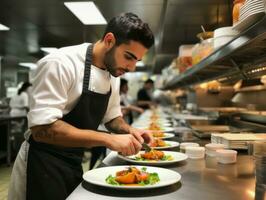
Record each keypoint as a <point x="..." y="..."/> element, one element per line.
<point x="145" y="95"/>
<point x="126" y="105"/>
<point x="19" y="103"/>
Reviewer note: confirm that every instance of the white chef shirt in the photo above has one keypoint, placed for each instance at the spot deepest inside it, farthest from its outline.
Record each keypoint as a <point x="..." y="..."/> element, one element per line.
<point x="57" y="86"/>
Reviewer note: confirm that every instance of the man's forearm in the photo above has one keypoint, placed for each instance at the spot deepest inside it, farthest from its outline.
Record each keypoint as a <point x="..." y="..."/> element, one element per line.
<point x="118" y="125"/>
<point x="63" y="134"/>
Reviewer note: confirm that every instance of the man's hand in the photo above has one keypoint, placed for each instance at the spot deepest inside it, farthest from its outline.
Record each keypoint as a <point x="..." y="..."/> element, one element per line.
<point x="125" y="144"/>
<point x="141" y="135"/>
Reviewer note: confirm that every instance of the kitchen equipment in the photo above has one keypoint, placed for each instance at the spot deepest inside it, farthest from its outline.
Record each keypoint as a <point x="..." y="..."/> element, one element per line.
<point x="260" y="163"/>
<point x="146" y="147"/>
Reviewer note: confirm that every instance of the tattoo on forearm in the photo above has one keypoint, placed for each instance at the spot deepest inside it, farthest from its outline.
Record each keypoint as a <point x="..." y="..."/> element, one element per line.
<point x="44" y="134"/>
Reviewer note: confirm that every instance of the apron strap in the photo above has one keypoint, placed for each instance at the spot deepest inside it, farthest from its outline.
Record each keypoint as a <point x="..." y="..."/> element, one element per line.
<point x="87" y="69"/>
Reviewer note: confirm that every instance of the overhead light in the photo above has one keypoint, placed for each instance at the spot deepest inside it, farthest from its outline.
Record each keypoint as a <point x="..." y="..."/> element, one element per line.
<point x="140" y="64"/>
<point x="86" y="12"/>
<point x="4" y="28"/>
<point x="48" y="49"/>
<point x="32" y="66"/>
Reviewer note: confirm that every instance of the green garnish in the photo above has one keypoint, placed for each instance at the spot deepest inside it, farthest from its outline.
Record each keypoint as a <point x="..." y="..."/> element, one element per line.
<point x="164" y="158"/>
<point x="111" y="180"/>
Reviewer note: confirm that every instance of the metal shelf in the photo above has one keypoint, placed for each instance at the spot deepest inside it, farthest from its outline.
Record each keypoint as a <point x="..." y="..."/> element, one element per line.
<point x="243" y="57"/>
<point x="255" y="88"/>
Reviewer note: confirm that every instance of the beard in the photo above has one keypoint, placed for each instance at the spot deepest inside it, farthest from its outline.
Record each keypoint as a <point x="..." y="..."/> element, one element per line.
<point x="110" y="63"/>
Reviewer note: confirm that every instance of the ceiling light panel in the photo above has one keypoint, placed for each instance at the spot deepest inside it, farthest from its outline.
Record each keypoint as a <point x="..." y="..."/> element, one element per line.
<point x="4" y="28"/>
<point x="86" y="12"/>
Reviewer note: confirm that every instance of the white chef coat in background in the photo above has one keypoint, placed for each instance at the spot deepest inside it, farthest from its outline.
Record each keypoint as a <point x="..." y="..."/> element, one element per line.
<point x="19" y="104"/>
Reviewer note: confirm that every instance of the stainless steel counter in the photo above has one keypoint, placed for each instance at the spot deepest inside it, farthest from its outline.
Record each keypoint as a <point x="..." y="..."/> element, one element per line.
<point x="201" y="179"/>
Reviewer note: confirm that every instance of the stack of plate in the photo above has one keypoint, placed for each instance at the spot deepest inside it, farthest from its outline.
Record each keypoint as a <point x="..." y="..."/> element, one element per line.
<point x="157" y="117"/>
<point x="250" y="13"/>
<point x="251" y="7"/>
<point x="260" y="176"/>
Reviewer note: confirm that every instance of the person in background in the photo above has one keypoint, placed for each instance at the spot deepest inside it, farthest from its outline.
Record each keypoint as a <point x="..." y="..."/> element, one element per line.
<point x="145" y="95"/>
<point x="19" y="104"/>
<point x="75" y="89"/>
<point x="126" y="106"/>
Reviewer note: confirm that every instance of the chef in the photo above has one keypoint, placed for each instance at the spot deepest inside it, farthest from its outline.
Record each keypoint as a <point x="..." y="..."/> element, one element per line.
<point x="74" y="90"/>
<point x="19" y="104"/>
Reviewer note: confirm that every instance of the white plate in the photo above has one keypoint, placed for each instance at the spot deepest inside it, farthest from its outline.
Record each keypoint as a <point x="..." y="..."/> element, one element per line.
<point x="98" y="176"/>
<point x="166" y="135"/>
<point x="147" y="124"/>
<point x="148" y="120"/>
<point x="177" y="157"/>
<point x="171" y="144"/>
<point x="243" y="24"/>
<point x="163" y="128"/>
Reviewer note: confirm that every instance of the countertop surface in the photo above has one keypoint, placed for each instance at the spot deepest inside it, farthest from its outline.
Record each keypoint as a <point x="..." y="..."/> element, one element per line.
<point x="203" y="179"/>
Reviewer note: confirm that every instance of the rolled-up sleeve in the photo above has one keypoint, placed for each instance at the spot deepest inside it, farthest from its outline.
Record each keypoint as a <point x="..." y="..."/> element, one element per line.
<point x="113" y="109"/>
<point x="51" y="83"/>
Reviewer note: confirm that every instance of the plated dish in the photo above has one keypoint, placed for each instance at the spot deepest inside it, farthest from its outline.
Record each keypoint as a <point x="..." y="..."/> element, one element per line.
<point x="102" y="177"/>
<point x="163" y="144"/>
<point x="162" y="135"/>
<point x="155" y="157"/>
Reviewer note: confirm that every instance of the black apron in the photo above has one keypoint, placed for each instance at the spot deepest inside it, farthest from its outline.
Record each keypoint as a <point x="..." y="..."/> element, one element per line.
<point x="53" y="172"/>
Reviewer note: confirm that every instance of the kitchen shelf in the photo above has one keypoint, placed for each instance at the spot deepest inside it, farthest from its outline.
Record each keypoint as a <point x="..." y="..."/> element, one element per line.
<point x="243" y="57"/>
<point x="252" y="88"/>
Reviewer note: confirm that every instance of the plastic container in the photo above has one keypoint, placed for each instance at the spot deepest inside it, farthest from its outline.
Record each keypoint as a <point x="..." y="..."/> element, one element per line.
<point x="226" y="156"/>
<point x="185" y="50"/>
<point x="184" y="145"/>
<point x="211" y="148"/>
<point x="223" y="35"/>
<point x="195" y="152"/>
<point x="202" y="50"/>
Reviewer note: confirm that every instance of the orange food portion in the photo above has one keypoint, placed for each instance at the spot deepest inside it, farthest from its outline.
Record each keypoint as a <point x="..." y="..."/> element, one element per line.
<point x="153" y="155"/>
<point x="158" y="134"/>
<point x="158" y="143"/>
<point x="131" y="176"/>
<point x="154" y="126"/>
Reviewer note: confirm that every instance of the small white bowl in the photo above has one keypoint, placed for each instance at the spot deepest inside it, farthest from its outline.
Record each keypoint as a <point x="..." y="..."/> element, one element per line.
<point x="211" y="148"/>
<point x="226" y="156"/>
<point x="195" y="152"/>
<point x="184" y="145"/>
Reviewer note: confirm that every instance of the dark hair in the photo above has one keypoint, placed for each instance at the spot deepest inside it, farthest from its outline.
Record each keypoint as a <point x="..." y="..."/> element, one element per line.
<point x="24" y="87"/>
<point x="149" y="81"/>
<point x="122" y="82"/>
<point x="128" y="26"/>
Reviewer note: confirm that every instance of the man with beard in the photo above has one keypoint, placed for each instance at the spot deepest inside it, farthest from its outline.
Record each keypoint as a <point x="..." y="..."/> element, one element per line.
<point x="74" y="90"/>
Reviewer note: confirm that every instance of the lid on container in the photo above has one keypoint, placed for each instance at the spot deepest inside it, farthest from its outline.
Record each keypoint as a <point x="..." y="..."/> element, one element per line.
<point x="226" y="152"/>
<point x="188" y="144"/>
<point x="214" y="146"/>
<point x="225" y="31"/>
<point x="195" y="149"/>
